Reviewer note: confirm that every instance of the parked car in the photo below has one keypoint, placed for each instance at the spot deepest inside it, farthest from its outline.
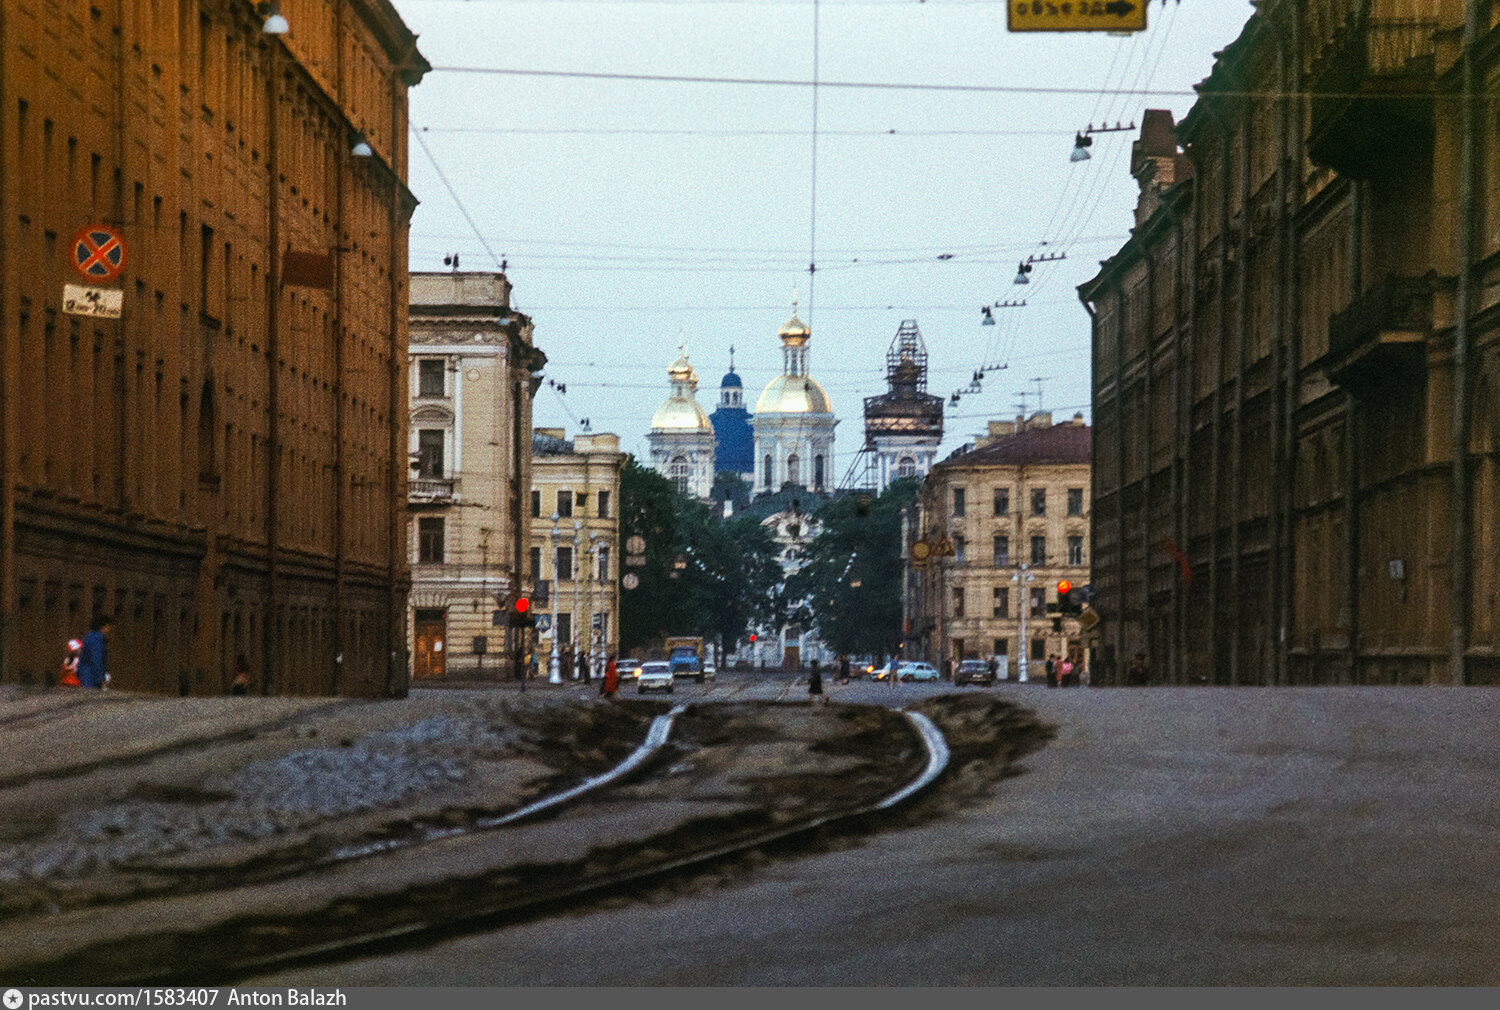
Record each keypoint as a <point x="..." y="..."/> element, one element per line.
<point x="629" y="669"/>
<point x="917" y="671"/>
<point x="973" y="671"/>
<point x="883" y="672"/>
<point x="655" y="675"/>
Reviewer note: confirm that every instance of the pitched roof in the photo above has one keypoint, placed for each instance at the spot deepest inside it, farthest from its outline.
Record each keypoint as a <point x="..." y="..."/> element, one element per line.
<point x="1060" y="443"/>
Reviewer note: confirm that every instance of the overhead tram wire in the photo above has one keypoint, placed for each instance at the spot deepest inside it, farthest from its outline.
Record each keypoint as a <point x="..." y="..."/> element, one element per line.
<point x="443" y="177"/>
<point x="812" y="229"/>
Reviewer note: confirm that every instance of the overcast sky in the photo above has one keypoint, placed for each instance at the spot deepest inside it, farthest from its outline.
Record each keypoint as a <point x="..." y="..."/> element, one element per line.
<point x="638" y="214"/>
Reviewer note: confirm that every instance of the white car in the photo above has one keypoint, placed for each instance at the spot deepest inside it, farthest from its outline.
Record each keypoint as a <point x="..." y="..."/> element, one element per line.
<point x="656" y="675"/>
<point x="628" y="669"/>
<point x="918" y="671"/>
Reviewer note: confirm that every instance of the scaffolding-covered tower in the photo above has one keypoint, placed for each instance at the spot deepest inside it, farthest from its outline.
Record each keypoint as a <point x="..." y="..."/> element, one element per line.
<point x="903" y="427"/>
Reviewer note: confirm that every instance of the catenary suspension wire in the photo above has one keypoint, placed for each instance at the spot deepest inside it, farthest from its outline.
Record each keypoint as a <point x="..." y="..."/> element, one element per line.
<point x="443" y="177"/>
<point x="812" y="229"/>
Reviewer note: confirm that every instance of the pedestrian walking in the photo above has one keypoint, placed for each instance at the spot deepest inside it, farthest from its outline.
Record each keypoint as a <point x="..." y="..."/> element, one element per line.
<point x="1138" y="675"/>
<point x="1065" y="673"/>
<point x="994" y="667"/>
<point x="93" y="659"/>
<point x="69" y="677"/>
<point x="815" y="684"/>
<point x="611" y="683"/>
<point x="1051" y="671"/>
<point x="241" y="682"/>
<point x="844" y="668"/>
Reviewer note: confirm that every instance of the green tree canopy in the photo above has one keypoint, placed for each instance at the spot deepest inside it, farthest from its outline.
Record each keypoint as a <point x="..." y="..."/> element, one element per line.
<point x="703" y="575"/>
<point x="851" y="577"/>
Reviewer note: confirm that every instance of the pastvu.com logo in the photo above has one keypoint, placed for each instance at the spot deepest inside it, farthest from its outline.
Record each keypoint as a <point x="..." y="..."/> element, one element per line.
<point x="13" y="999"/>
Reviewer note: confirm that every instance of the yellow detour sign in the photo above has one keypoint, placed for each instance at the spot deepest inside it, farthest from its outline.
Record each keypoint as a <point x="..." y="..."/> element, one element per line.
<point x="1076" y="15"/>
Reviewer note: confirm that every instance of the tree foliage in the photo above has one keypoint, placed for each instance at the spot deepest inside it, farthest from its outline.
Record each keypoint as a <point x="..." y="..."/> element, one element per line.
<point x="727" y="571"/>
<point x="851" y="577"/>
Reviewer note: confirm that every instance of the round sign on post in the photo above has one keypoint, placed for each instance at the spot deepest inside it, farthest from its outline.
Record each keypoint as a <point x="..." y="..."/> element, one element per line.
<point x="636" y="544"/>
<point x="98" y="253"/>
<point x="630" y="581"/>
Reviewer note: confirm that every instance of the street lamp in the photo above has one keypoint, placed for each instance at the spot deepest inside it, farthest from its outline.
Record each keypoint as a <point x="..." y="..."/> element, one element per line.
<point x="596" y="631"/>
<point x="1023" y="579"/>
<point x="554" y="675"/>
<point x="577" y="590"/>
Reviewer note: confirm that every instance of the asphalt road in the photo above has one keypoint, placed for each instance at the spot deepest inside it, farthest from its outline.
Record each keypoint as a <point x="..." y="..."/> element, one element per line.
<point x="1191" y="836"/>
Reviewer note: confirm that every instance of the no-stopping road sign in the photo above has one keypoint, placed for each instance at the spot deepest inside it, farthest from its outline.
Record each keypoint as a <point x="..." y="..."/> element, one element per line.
<point x="98" y="253"/>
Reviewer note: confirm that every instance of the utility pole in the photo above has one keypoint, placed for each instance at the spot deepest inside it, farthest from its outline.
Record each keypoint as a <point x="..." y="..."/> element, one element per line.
<point x="1023" y="580"/>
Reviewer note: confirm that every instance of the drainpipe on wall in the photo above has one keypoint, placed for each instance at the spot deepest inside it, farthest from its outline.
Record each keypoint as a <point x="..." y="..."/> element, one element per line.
<point x="1462" y="506"/>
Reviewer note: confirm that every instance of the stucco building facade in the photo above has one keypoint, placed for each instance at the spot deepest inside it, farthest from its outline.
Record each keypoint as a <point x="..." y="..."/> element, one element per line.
<point x="472" y="365"/>
<point x="1296" y="358"/>
<point x="222" y="466"/>
<point x="575" y="547"/>
<point x="1001" y="523"/>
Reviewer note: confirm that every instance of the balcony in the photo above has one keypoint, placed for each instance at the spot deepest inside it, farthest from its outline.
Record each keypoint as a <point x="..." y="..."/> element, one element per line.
<point x="1379" y="343"/>
<point x="430" y="489"/>
<point x="1373" y="91"/>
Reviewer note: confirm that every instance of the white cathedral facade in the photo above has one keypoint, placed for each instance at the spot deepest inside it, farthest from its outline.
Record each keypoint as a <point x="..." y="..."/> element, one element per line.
<point x="682" y="437"/>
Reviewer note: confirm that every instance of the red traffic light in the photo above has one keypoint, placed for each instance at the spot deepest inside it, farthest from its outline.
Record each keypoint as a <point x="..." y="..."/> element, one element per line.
<point x="1064" y="587"/>
<point x="521" y="605"/>
<point x="752" y="636"/>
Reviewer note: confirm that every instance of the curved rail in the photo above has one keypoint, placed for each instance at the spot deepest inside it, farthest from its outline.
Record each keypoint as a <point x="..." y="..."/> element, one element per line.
<point x="528" y="903"/>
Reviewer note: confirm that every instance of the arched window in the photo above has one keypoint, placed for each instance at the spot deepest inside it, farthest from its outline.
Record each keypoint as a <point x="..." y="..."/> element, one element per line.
<point x="818" y="472"/>
<point x="907" y="467"/>
<point x="767" y="477"/>
<point x="679" y="472"/>
<point x="793" y="469"/>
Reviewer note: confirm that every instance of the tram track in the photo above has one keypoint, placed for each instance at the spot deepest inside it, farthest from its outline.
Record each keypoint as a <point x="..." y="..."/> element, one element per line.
<point x="723" y="786"/>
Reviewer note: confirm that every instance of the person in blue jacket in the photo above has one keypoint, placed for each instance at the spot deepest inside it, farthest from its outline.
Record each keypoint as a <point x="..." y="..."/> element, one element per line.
<point x="93" y="662"/>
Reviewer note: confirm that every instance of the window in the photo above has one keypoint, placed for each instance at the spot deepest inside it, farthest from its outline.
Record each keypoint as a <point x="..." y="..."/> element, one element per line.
<point x="565" y="627"/>
<point x="603" y="573"/>
<point x="958" y="501"/>
<point x="430" y="377"/>
<point x="536" y="564"/>
<point x="603" y="507"/>
<point x="793" y="469"/>
<point x="766" y="477"/>
<point x="1039" y="649"/>
<point x="680" y="473"/>
<point x="1000" y="604"/>
<point x="1039" y="550"/>
<point x="1038" y="602"/>
<point x="564" y="504"/>
<point x="1075" y="550"/>
<point x="958" y="601"/>
<point x="959" y="550"/>
<point x="564" y="566"/>
<point x="906" y="467"/>
<point x="536" y="504"/>
<point x="1002" y="649"/>
<point x="1002" y="501"/>
<point x="1002" y="551"/>
<point x="818" y="472"/>
<point x="1075" y="501"/>
<point x="1038" y="501"/>
<point x="430" y="541"/>
<point x="430" y="452"/>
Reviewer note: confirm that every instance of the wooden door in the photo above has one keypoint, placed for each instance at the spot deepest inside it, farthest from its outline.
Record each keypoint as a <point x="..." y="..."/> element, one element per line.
<point x="791" y="659"/>
<point x="431" y="644"/>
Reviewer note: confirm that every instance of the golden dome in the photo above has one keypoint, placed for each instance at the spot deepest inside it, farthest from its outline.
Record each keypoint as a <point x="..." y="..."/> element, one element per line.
<point x="682" y="370"/>
<point x="679" y="414"/>
<point x="793" y="394"/>
<point x="794" y="330"/>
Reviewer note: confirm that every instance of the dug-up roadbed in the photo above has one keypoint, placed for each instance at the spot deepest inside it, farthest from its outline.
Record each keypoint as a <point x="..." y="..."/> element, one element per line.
<point x="146" y="838"/>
